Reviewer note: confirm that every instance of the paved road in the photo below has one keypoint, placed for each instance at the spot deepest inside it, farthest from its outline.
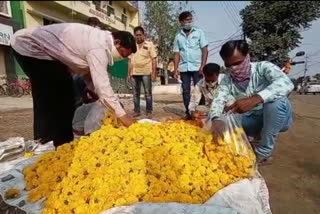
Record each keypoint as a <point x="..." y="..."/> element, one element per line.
<point x="293" y="179"/>
<point x="10" y="103"/>
<point x="303" y="105"/>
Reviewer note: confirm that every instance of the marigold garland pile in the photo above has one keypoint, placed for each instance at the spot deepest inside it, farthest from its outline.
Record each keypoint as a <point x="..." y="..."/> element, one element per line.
<point x="167" y="162"/>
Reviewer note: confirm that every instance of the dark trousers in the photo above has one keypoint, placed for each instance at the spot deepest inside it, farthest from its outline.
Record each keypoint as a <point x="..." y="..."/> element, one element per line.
<point x="147" y="86"/>
<point x="53" y="99"/>
<point x="186" y="86"/>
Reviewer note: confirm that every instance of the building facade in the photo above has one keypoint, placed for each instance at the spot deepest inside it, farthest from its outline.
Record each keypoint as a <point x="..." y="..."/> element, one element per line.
<point x="114" y="15"/>
<point x="7" y="27"/>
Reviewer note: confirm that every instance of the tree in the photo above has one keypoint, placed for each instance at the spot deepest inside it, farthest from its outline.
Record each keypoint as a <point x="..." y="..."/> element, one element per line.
<point x="274" y="27"/>
<point x="161" y="26"/>
<point x="317" y="76"/>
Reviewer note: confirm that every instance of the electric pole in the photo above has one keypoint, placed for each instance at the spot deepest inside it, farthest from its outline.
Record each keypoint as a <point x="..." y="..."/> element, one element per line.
<point x="305" y="68"/>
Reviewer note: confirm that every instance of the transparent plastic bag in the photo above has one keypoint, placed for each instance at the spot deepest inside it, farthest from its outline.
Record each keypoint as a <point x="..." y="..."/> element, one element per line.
<point x="95" y="117"/>
<point x="234" y="136"/>
<point x="89" y="117"/>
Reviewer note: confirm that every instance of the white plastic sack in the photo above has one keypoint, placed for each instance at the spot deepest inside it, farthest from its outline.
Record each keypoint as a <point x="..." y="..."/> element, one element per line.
<point x="247" y="196"/>
<point x="89" y="117"/>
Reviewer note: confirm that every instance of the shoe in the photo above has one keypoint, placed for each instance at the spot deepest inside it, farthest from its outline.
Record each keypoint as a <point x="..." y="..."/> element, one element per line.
<point x="136" y="114"/>
<point x="149" y="115"/>
<point x="263" y="161"/>
<point x="188" y="116"/>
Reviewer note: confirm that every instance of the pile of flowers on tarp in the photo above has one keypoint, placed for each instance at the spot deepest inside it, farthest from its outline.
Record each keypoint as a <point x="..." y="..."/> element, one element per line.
<point x="173" y="161"/>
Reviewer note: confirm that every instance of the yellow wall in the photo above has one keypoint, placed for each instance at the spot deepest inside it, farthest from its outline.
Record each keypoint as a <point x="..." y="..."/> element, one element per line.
<point x="62" y="10"/>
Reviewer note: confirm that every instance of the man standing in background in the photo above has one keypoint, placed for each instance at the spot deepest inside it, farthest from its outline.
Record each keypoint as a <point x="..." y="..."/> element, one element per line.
<point x="142" y="69"/>
<point x="190" y="56"/>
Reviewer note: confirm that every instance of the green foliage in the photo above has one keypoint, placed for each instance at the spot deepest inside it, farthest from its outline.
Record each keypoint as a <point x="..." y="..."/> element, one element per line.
<point x="317" y="76"/>
<point x="274" y="27"/>
<point x="161" y="24"/>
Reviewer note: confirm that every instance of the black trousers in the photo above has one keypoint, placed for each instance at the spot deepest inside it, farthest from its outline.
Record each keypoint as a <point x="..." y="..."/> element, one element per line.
<point x="53" y="99"/>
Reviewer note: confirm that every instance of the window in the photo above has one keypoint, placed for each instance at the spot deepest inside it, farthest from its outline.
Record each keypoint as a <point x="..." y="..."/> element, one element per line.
<point x="5" y="9"/>
<point x="124" y="19"/>
<point x="97" y="4"/>
<point x="110" y="11"/>
<point x="124" y="11"/>
<point x="86" y="3"/>
<point x="104" y="4"/>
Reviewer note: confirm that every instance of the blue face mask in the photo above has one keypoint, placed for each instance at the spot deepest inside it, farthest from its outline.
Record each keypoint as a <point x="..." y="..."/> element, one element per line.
<point x="187" y="26"/>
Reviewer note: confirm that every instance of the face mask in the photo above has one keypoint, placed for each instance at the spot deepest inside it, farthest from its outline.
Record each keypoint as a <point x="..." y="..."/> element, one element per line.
<point x="187" y="26"/>
<point x="211" y="84"/>
<point x="115" y="54"/>
<point x="241" y="72"/>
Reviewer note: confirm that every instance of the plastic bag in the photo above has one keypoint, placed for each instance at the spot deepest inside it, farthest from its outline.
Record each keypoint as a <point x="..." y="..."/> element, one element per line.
<point x="234" y="135"/>
<point x="89" y="117"/>
<point x="95" y="117"/>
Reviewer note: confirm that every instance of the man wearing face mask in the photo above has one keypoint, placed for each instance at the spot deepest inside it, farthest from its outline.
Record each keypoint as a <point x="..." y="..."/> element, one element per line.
<point x="50" y="54"/>
<point x="206" y="87"/>
<point x="260" y="90"/>
<point x="190" y="56"/>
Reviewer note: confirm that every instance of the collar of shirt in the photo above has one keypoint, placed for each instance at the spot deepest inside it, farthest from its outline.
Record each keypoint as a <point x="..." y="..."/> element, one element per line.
<point x="184" y="34"/>
<point x="143" y="43"/>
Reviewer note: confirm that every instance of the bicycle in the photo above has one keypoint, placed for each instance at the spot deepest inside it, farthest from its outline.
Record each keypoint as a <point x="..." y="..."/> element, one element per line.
<point x="3" y="87"/>
<point x="12" y="88"/>
<point x="26" y="85"/>
<point x="2" y="91"/>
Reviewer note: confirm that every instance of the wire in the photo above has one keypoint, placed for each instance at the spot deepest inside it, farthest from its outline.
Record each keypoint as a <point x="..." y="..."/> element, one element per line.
<point x="298" y="72"/>
<point x="235" y="11"/>
<point x="314" y="54"/>
<point x="313" y="64"/>
<point x="218" y="46"/>
<point x="216" y="41"/>
<point x="230" y="16"/>
<point x="231" y="12"/>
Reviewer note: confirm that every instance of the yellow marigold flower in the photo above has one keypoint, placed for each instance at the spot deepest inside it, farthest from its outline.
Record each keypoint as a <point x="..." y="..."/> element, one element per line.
<point x="173" y="161"/>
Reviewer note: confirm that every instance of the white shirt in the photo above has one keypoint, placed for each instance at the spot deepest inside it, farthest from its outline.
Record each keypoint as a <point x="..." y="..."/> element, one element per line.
<point x="84" y="49"/>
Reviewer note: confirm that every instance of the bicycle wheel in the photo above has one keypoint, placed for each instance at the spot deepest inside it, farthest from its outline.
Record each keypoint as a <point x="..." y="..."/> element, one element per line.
<point x="2" y="92"/>
<point x="18" y="91"/>
<point x="10" y="91"/>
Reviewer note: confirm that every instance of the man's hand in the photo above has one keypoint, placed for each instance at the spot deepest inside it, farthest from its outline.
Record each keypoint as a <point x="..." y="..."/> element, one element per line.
<point x="129" y="77"/>
<point x="153" y="76"/>
<point x="245" y="104"/>
<point x="198" y="115"/>
<point x="201" y="70"/>
<point x="217" y="129"/>
<point x="126" y="120"/>
<point x="176" y="74"/>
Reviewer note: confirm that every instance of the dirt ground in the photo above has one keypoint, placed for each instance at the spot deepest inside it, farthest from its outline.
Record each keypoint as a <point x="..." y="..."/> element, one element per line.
<point x="294" y="177"/>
